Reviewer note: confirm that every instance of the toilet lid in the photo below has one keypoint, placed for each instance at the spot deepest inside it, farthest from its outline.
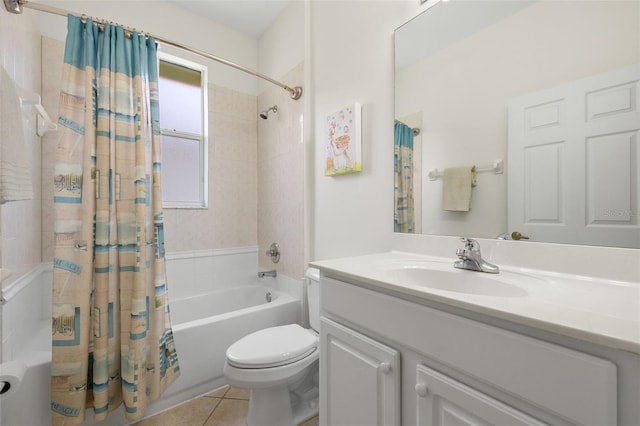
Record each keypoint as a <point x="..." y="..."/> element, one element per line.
<point x="272" y="347"/>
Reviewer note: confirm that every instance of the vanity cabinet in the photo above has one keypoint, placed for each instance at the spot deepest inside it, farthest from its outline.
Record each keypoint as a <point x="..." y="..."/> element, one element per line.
<point x="441" y="400"/>
<point x="446" y="369"/>
<point x="361" y="380"/>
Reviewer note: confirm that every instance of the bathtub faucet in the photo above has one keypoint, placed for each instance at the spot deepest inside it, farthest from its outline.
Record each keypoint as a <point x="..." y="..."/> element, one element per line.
<point x="271" y="273"/>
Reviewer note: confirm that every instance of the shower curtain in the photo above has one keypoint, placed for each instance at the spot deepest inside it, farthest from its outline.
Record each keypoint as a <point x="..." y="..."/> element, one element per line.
<point x="112" y="341"/>
<point x="403" y="178"/>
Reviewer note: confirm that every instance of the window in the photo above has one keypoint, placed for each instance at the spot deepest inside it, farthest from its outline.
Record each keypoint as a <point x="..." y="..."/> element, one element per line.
<point x="183" y="126"/>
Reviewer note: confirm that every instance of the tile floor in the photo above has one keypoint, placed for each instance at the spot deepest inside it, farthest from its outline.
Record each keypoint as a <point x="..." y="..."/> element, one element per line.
<point x="226" y="406"/>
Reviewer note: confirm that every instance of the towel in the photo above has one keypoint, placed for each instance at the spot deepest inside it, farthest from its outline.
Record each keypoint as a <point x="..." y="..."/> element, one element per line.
<point x="15" y="172"/>
<point x="456" y="188"/>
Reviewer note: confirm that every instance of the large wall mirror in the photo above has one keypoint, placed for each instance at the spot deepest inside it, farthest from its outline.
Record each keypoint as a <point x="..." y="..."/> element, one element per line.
<point x="535" y="101"/>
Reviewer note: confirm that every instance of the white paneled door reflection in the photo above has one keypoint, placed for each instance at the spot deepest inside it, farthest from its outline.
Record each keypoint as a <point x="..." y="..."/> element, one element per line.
<point x="573" y="161"/>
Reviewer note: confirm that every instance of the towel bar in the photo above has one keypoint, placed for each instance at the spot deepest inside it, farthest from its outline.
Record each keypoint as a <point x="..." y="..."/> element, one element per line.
<point x="44" y="123"/>
<point x="497" y="168"/>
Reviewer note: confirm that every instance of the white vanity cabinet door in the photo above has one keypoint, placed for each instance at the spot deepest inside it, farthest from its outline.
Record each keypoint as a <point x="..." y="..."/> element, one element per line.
<point x="359" y="379"/>
<point x="443" y="401"/>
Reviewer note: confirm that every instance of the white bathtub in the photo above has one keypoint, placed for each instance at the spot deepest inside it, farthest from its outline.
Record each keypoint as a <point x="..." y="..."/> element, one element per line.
<point x="26" y="338"/>
<point x="204" y="325"/>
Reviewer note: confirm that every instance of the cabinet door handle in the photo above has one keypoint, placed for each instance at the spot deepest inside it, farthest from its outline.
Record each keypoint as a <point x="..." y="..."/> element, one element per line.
<point x="422" y="389"/>
<point x="385" y="367"/>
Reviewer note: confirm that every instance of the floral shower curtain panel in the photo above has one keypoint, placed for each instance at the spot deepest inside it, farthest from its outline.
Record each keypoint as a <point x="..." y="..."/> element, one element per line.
<point x="403" y="178"/>
<point x="111" y="331"/>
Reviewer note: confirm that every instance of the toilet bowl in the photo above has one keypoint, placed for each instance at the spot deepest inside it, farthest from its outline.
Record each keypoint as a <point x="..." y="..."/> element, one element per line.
<point x="279" y="365"/>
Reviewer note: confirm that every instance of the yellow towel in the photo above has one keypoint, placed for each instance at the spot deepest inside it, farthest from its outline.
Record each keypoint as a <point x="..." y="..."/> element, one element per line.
<point x="456" y="188"/>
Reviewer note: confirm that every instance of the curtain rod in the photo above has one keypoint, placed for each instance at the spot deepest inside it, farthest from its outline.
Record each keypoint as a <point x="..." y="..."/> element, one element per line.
<point x="416" y="130"/>
<point x="15" y="6"/>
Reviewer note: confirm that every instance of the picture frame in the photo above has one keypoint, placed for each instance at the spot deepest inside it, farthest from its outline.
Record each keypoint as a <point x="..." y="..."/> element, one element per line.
<point x="343" y="144"/>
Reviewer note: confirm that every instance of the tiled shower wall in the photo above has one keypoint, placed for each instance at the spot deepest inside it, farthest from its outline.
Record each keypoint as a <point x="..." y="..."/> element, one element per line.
<point x="255" y="188"/>
<point x="231" y="218"/>
<point x="20" y="232"/>
<point x="281" y="177"/>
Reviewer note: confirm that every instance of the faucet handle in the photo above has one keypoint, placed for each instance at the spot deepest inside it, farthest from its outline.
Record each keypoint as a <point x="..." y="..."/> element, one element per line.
<point x="470" y="243"/>
<point x="462" y="253"/>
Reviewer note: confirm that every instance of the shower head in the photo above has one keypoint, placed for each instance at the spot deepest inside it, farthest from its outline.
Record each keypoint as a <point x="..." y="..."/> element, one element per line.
<point x="264" y="114"/>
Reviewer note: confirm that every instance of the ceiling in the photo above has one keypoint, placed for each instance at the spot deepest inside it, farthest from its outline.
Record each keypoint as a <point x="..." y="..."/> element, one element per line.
<point x="250" y="17"/>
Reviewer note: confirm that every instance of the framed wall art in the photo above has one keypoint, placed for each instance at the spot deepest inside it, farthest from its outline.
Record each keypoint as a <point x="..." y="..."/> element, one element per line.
<point x="343" y="144"/>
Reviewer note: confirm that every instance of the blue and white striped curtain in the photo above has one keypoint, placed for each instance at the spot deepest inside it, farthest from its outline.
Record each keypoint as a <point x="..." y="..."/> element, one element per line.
<point x="111" y="331"/>
<point x="403" y="178"/>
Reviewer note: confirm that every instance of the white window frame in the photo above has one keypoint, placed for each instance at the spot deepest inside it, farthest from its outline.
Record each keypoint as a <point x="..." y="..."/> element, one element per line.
<point x="203" y="138"/>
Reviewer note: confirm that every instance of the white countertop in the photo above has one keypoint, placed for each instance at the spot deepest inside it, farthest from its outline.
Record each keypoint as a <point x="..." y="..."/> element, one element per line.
<point x="601" y="311"/>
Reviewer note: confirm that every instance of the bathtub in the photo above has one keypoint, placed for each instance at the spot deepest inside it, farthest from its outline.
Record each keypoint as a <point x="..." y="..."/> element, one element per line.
<point x="27" y="339"/>
<point x="204" y="325"/>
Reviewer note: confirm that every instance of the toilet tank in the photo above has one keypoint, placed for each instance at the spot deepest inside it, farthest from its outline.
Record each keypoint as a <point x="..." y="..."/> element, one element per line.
<point x="312" y="278"/>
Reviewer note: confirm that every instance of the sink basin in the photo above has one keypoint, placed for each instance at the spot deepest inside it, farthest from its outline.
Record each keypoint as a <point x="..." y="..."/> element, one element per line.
<point x="439" y="277"/>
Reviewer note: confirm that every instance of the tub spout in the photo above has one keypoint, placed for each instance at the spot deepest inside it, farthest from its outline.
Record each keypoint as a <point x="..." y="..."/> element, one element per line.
<point x="271" y="273"/>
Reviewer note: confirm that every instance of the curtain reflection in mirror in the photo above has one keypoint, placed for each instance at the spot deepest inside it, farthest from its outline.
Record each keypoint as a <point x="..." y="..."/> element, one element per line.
<point x="403" y="178"/>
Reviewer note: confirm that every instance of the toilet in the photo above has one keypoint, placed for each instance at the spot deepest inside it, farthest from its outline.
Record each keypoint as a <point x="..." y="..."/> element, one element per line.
<point x="279" y="365"/>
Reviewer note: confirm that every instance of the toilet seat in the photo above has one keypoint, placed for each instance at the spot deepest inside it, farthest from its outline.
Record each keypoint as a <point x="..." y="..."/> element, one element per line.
<point x="272" y="347"/>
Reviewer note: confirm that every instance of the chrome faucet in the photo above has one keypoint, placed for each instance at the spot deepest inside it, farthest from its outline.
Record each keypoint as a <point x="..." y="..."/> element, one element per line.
<point x="471" y="258"/>
<point x="272" y="273"/>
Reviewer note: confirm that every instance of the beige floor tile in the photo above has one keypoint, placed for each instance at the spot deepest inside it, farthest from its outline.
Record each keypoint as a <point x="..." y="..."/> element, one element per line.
<point x="191" y="413"/>
<point x="314" y="421"/>
<point x="218" y="393"/>
<point x="237" y="393"/>
<point x="230" y="412"/>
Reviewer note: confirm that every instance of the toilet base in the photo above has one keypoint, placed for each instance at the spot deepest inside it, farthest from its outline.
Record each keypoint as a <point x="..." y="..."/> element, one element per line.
<point x="270" y="407"/>
<point x="304" y="411"/>
<point x="275" y="408"/>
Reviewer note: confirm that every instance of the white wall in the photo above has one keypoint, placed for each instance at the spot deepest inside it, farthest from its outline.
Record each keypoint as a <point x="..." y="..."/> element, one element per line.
<point x="352" y="61"/>
<point x="174" y="23"/>
<point x="281" y="47"/>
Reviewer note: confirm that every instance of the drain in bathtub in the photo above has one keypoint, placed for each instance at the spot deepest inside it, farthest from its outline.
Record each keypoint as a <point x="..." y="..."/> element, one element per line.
<point x="269" y="297"/>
